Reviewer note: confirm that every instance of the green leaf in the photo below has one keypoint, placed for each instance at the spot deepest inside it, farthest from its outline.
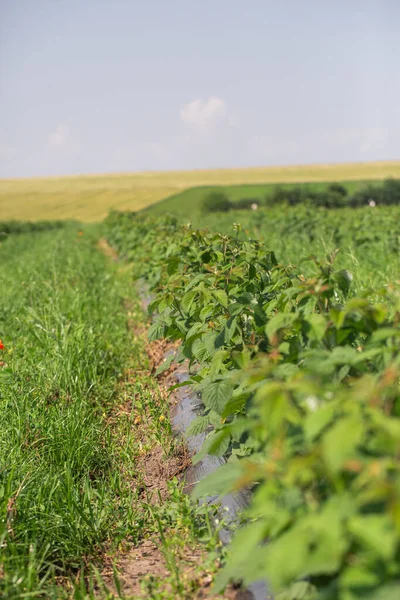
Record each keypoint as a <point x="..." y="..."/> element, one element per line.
<point x="156" y="330"/>
<point x="235" y="308"/>
<point x="242" y="554"/>
<point x="200" y="351"/>
<point x="383" y="334"/>
<point x="286" y="557"/>
<point x="316" y="421"/>
<point x="230" y="329"/>
<point x="358" y="576"/>
<point x="301" y="590"/>
<point x="273" y="402"/>
<point x="209" y="341"/>
<point x="188" y="300"/>
<point x="194" y="331"/>
<point x="314" y="545"/>
<point x="218" y="443"/>
<point x="279" y="321"/>
<point x="222" y="297"/>
<point x="220" y="481"/>
<point x="179" y="385"/>
<point x="172" y="264"/>
<point x="390" y="591"/>
<point x="199" y="425"/>
<point x="235" y="404"/>
<point x="217" y="363"/>
<point x="338" y="317"/>
<point x="165" y="364"/>
<point x="376" y="532"/>
<point x="216" y="395"/>
<point x="241" y="358"/>
<point x="317" y="325"/>
<point x="344" y="279"/>
<point x="194" y="281"/>
<point x="341" y="441"/>
<point x="343" y="355"/>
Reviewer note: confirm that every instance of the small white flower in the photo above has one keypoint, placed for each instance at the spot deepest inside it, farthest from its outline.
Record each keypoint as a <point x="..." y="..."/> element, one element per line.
<point x="312" y="403"/>
<point x="254" y="206"/>
<point x="372" y="203"/>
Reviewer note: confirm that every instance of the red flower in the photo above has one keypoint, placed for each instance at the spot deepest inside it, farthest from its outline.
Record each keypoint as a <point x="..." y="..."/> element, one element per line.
<point x="1" y="345"/>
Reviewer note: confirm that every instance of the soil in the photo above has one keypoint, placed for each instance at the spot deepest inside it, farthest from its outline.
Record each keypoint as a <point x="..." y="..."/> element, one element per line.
<point x="158" y="470"/>
<point x="146" y="562"/>
<point x="107" y="250"/>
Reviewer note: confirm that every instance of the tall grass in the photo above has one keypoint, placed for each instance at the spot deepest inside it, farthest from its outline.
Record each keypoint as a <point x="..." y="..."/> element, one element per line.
<point x="61" y="496"/>
<point x="72" y="486"/>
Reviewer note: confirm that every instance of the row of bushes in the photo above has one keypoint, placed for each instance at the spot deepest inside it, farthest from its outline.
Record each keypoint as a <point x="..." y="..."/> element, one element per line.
<point x="14" y="227"/>
<point x="299" y="381"/>
<point x="219" y="202"/>
<point x="334" y="196"/>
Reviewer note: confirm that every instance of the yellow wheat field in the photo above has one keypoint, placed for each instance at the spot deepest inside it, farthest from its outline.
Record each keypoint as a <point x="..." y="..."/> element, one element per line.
<point x="90" y="197"/>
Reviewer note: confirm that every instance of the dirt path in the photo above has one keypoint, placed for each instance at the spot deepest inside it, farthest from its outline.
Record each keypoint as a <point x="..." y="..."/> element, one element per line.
<point x="170" y="563"/>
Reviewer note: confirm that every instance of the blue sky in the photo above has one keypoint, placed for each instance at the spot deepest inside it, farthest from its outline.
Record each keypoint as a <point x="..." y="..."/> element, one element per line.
<point x="129" y="85"/>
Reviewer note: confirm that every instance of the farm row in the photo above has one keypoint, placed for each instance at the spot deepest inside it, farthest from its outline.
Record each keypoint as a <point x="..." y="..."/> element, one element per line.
<point x="294" y="348"/>
<point x="297" y="362"/>
<point x="81" y="418"/>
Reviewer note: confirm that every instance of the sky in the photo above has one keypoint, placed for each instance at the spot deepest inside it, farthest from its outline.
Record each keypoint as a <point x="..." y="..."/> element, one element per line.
<point x="93" y="86"/>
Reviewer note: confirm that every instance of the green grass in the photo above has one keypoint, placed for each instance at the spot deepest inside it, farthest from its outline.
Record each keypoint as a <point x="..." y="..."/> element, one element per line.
<point x="69" y="478"/>
<point x="63" y="358"/>
<point x="68" y="453"/>
<point x="89" y="198"/>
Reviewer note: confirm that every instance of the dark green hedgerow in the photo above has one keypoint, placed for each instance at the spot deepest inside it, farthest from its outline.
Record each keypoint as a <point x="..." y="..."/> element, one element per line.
<point x="300" y="385"/>
<point x="336" y="195"/>
<point x="16" y="227"/>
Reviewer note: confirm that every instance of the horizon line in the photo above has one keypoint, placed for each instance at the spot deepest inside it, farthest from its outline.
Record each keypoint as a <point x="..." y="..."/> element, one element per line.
<point x="199" y="170"/>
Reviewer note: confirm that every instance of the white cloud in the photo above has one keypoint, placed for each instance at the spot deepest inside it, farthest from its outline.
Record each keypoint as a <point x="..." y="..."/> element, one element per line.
<point x="204" y="115"/>
<point x="61" y="139"/>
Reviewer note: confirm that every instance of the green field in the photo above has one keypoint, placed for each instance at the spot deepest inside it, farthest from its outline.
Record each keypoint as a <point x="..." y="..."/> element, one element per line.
<point x="287" y="318"/>
<point x="188" y="204"/>
<point x="89" y="198"/>
<point x="76" y="428"/>
<point x="294" y="346"/>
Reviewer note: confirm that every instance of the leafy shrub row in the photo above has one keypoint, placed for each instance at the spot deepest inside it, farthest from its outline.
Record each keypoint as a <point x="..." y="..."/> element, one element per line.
<point x="334" y="196"/>
<point x="300" y="385"/>
<point x="219" y="202"/>
<point x="16" y="227"/>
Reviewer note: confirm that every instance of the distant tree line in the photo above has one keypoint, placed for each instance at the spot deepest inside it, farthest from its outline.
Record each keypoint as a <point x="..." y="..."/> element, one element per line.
<point x="15" y="227"/>
<point x="335" y="195"/>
